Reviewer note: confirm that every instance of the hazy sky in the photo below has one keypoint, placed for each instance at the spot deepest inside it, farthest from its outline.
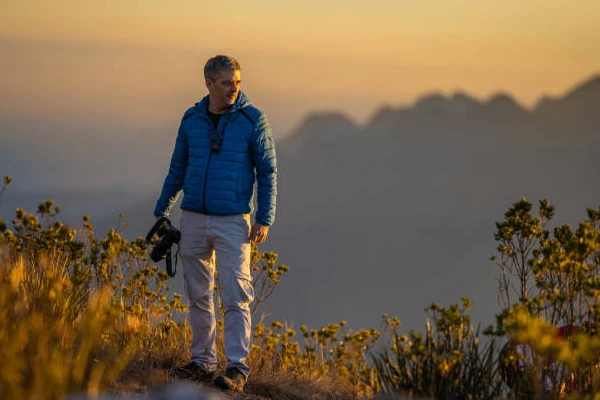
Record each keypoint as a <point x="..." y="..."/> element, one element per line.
<point x="142" y="60"/>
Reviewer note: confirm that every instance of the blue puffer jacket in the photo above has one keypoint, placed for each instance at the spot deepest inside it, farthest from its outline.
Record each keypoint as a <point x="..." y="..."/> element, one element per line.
<point x="221" y="183"/>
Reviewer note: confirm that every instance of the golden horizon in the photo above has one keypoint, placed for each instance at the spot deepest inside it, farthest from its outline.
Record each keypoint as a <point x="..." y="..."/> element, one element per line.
<point x="116" y="57"/>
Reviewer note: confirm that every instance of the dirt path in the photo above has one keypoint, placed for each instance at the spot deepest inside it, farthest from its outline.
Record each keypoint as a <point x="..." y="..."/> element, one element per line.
<point x="158" y="380"/>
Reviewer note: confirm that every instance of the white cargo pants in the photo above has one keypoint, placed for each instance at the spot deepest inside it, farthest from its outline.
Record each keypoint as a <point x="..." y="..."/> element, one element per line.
<point x="207" y="240"/>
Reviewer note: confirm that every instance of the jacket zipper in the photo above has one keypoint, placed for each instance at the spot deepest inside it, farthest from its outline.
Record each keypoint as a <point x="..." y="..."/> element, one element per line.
<point x="204" y="209"/>
<point x="205" y="181"/>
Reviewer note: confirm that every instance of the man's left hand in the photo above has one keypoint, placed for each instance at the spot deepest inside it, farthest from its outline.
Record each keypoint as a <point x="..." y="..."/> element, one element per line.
<point x="259" y="233"/>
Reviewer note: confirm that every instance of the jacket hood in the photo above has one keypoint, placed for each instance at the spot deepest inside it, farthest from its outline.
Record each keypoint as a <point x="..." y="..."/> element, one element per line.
<point x="242" y="101"/>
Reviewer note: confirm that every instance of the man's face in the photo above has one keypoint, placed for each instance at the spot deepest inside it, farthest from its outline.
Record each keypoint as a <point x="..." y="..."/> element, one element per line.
<point x="224" y="90"/>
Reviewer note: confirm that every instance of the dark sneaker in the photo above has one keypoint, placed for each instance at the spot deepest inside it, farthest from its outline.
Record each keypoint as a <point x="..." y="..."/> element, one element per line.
<point x="192" y="371"/>
<point x="233" y="380"/>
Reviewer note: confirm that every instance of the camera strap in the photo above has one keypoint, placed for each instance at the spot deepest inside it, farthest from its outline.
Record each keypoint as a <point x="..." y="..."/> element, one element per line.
<point x="216" y="138"/>
<point x="170" y="271"/>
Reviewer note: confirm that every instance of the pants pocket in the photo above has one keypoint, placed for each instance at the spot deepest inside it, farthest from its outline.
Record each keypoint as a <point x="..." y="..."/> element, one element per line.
<point x="240" y="292"/>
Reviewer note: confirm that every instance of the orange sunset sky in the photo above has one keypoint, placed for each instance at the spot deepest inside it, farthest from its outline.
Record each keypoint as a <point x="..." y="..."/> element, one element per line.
<point x="123" y="60"/>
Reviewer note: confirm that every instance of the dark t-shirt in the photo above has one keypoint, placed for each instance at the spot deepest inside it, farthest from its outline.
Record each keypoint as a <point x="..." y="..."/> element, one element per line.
<point x="214" y="118"/>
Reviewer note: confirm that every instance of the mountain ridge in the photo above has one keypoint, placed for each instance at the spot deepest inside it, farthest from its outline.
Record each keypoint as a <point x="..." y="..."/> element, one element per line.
<point x="460" y="104"/>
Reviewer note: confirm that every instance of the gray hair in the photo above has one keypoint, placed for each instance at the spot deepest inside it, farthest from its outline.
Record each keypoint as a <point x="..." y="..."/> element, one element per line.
<point x="219" y="63"/>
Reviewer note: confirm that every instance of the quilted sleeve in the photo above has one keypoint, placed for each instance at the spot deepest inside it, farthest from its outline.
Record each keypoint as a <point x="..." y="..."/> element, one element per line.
<point x="265" y="163"/>
<point x="175" y="177"/>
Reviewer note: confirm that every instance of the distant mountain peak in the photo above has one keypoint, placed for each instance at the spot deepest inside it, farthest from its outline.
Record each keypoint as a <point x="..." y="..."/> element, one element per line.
<point x="435" y="103"/>
<point x="326" y="126"/>
<point x="582" y="99"/>
<point x="463" y="96"/>
<point x="463" y="103"/>
<point x="326" y="121"/>
<point x="586" y="92"/>
<point x="503" y="105"/>
<point x="502" y="97"/>
<point x="432" y="102"/>
<point x="328" y="117"/>
<point x="590" y="85"/>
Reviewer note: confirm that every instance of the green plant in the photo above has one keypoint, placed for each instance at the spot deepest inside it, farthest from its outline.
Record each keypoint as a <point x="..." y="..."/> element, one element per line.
<point x="447" y="362"/>
<point x="266" y="274"/>
<point x="550" y="276"/>
<point x="327" y="353"/>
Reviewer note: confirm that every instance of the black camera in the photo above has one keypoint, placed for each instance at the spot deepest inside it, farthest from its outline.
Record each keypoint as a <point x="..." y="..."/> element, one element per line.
<point x="168" y="236"/>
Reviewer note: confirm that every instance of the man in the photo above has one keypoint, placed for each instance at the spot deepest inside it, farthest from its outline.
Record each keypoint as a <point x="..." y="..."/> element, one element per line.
<point x="224" y="145"/>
